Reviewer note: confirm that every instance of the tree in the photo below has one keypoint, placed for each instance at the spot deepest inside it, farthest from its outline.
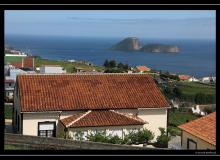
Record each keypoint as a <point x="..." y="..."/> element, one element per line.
<point x="120" y="65"/>
<point x="126" y="67"/>
<point x="112" y="63"/>
<point x="106" y="63"/>
<point x="177" y="92"/>
<point x="200" y="98"/>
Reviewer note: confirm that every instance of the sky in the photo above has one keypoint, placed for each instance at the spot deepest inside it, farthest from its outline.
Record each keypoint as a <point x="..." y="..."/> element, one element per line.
<point x="163" y="24"/>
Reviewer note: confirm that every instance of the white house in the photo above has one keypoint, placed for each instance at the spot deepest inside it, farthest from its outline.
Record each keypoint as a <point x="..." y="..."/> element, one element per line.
<point x="208" y="79"/>
<point x="52" y="69"/>
<point x="200" y="109"/>
<point x="49" y="105"/>
<point x="197" y="110"/>
<point x="193" y="79"/>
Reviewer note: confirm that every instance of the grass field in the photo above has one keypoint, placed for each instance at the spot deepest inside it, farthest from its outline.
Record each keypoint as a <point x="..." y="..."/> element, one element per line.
<point x="8" y="112"/>
<point x="9" y="59"/>
<point x="177" y="118"/>
<point x="69" y="66"/>
<point x="192" y="88"/>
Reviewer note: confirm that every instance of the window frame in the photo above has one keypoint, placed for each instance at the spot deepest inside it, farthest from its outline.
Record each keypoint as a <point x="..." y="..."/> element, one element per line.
<point x="47" y="122"/>
<point x="192" y="141"/>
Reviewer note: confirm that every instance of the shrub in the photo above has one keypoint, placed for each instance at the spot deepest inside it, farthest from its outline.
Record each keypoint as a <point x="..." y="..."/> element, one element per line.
<point x="114" y="139"/>
<point x="98" y="137"/>
<point x="142" y="136"/>
<point x="163" y="139"/>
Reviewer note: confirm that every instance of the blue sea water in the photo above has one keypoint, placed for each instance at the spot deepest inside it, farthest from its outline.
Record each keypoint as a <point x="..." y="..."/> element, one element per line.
<point x="197" y="57"/>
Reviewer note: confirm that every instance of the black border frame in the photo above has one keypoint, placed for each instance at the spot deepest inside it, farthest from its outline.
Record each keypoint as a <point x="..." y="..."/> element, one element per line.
<point x="106" y="7"/>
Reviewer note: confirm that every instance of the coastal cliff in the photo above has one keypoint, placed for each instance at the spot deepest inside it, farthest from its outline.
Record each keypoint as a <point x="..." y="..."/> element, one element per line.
<point x="128" y="44"/>
<point x="156" y="48"/>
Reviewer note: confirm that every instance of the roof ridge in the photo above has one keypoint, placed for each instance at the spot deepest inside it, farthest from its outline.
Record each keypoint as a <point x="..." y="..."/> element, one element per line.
<point x="79" y="118"/>
<point x="130" y="116"/>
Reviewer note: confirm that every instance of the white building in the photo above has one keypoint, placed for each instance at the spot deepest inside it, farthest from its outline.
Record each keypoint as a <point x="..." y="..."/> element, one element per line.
<point x="50" y="105"/>
<point x="193" y="79"/>
<point x="52" y="69"/>
<point x="197" y="110"/>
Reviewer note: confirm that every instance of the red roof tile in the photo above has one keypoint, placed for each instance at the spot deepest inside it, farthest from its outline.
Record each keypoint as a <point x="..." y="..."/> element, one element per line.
<point x="77" y="92"/>
<point x="203" y="128"/>
<point x="143" y="68"/>
<point x="99" y="118"/>
<point x="27" y="63"/>
<point x="184" y="77"/>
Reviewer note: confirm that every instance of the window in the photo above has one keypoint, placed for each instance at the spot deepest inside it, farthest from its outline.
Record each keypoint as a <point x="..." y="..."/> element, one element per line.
<point x="191" y="144"/>
<point x="46" y="129"/>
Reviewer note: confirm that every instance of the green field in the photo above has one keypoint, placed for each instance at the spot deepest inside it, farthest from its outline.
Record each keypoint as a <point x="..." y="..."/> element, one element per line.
<point x="69" y="66"/>
<point x="177" y="118"/>
<point x="192" y="88"/>
<point x="8" y="112"/>
<point x="9" y="59"/>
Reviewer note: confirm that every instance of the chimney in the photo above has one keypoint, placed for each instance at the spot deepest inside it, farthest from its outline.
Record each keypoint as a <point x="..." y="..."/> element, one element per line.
<point x="22" y="65"/>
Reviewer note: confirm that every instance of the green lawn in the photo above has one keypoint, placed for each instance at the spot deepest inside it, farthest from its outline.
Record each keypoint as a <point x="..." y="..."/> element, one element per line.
<point x="9" y="59"/>
<point x="192" y="88"/>
<point x="8" y="112"/>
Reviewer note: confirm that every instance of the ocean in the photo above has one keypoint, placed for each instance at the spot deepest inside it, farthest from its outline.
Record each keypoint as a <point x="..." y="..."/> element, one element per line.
<point x="197" y="57"/>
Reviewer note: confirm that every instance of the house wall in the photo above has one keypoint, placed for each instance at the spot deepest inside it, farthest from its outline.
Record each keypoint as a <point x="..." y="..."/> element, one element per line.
<point x="114" y="130"/>
<point x="155" y="118"/>
<point x="201" y="144"/>
<point x="31" y="120"/>
<point x="52" y="70"/>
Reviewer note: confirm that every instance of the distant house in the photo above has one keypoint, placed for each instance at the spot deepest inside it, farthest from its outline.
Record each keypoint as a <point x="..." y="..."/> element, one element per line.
<point x="142" y="69"/>
<point x="200" y="109"/>
<point x="184" y="77"/>
<point x="199" y="134"/>
<point x="9" y="89"/>
<point x="50" y="105"/>
<point x="193" y="79"/>
<point x="175" y="103"/>
<point x="26" y="62"/>
<point x="55" y="69"/>
<point x="208" y="79"/>
<point x="13" y="72"/>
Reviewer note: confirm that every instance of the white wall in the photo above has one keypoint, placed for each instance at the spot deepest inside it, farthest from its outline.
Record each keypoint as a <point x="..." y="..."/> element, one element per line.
<point x="155" y="118"/>
<point x="51" y="69"/>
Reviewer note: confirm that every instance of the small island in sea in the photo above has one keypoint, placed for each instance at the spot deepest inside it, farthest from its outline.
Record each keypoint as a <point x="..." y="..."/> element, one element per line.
<point x="133" y="44"/>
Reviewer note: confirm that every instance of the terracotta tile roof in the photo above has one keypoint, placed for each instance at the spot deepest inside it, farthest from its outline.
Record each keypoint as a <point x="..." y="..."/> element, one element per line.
<point x="143" y="68"/>
<point x="184" y="77"/>
<point x="27" y="63"/>
<point x="203" y="128"/>
<point x="40" y="92"/>
<point x="98" y="118"/>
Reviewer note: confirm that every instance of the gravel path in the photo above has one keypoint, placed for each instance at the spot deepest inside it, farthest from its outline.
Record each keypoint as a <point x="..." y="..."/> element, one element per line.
<point x="175" y="143"/>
